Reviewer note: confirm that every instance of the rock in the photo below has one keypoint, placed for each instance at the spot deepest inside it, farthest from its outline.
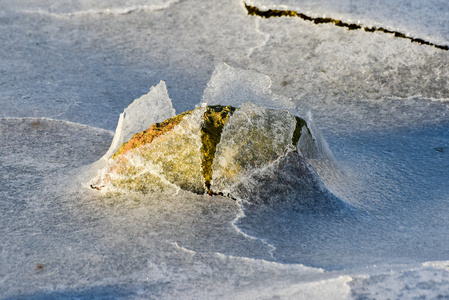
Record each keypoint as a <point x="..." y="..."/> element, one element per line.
<point x="166" y="156"/>
<point x="251" y="153"/>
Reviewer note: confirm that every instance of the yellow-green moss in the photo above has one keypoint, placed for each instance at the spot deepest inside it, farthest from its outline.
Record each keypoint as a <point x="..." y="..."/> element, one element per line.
<point x="147" y="136"/>
<point x="215" y="118"/>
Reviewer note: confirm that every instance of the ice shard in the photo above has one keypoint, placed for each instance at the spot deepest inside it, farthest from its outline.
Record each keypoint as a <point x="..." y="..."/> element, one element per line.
<point x="253" y="138"/>
<point x="153" y="107"/>
<point x="234" y="86"/>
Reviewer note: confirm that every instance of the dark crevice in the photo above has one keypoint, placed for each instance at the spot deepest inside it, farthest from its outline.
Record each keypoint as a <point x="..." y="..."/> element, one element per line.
<point x="300" y="124"/>
<point x="215" y="117"/>
<point x="254" y="11"/>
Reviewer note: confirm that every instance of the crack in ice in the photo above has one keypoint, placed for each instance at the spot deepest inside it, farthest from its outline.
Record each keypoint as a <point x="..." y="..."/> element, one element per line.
<point x="240" y="215"/>
<point x="269" y="13"/>
<point x="266" y="38"/>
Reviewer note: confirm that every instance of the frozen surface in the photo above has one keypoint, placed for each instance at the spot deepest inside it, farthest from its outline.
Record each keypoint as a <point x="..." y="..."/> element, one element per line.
<point x="69" y="68"/>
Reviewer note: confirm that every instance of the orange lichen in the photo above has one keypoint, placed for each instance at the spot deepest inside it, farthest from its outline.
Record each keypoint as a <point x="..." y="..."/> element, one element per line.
<point x="147" y="136"/>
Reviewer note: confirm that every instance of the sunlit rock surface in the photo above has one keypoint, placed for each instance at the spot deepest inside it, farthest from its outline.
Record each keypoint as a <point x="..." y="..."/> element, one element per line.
<point x="172" y="160"/>
<point x="251" y="153"/>
<point x="259" y="159"/>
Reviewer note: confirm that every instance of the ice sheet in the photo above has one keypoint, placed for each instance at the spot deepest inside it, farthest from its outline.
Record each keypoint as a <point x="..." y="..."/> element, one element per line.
<point x="60" y="241"/>
<point x="381" y="103"/>
<point x="91" y="66"/>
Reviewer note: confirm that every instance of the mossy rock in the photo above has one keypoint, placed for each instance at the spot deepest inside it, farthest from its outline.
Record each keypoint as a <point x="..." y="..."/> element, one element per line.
<point x="182" y="151"/>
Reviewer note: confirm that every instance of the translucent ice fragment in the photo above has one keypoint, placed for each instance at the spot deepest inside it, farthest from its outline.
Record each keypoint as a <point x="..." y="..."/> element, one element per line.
<point x="153" y="107"/>
<point x="234" y="86"/>
<point x="312" y="144"/>
<point x="253" y="138"/>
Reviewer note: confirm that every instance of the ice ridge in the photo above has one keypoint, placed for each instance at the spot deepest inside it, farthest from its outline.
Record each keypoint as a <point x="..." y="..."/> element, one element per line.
<point x="117" y="10"/>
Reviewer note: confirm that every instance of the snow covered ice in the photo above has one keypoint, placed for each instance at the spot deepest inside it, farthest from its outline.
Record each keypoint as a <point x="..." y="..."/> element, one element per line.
<point x="379" y="105"/>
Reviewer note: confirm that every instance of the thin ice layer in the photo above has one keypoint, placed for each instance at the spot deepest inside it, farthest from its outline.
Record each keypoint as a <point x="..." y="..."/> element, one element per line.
<point x="151" y="108"/>
<point x="171" y="160"/>
<point x="253" y="138"/>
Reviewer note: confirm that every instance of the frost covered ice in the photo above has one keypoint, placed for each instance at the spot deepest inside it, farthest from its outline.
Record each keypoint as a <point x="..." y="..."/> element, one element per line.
<point x="67" y="70"/>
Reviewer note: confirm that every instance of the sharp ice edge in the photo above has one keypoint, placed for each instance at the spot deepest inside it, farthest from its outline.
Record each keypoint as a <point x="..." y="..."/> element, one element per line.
<point x="324" y="150"/>
<point x="443" y="264"/>
<point x="176" y="245"/>
<point x="116" y="140"/>
<point x="370" y="23"/>
<point x="240" y="215"/>
<point x="104" y="11"/>
<point x="58" y="120"/>
<point x="157" y="107"/>
<point x="264" y="34"/>
<point x="414" y="97"/>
